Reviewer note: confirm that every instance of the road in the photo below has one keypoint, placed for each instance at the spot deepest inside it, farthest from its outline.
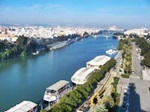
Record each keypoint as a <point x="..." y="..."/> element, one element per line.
<point x="136" y="63"/>
<point x="118" y="57"/>
<point x="139" y="89"/>
<point x="139" y="94"/>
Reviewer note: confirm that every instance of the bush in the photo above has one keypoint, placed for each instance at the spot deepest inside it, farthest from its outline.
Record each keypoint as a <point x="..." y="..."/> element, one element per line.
<point x="125" y="75"/>
<point x="23" y="54"/>
<point x="114" y="94"/>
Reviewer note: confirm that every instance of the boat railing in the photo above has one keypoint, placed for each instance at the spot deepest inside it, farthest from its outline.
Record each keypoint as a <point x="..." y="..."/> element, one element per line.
<point x="65" y="91"/>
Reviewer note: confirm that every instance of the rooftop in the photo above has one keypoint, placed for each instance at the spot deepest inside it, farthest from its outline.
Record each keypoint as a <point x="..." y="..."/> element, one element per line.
<point x="24" y="106"/>
<point x="81" y="75"/>
<point x="99" y="60"/>
<point x="58" y="85"/>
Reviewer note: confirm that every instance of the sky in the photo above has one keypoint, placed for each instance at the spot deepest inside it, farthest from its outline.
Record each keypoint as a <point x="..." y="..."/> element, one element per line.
<point x="99" y="13"/>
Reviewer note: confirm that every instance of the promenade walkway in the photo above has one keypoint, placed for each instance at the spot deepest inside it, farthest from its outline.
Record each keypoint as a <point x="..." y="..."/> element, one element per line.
<point x="139" y="92"/>
<point x="105" y="84"/>
<point x="138" y="99"/>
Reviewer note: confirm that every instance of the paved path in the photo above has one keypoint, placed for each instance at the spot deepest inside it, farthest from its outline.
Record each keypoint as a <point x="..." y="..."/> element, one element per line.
<point x="118" y="57"/>
<point x="139" y="89"/>
<point x="107" y="85"/>
<point x="136" y="63"/>
<point x="139" y="95"/>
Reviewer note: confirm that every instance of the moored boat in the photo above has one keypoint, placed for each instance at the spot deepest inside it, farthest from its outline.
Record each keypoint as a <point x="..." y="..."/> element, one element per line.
<point x="81" y="76"/>
<point x="25" y="106"/>
<point x="111" y="51"/>
<point x="35" y="53"/>
<point x="57" y="90"/>
<point x="98" y="62"/>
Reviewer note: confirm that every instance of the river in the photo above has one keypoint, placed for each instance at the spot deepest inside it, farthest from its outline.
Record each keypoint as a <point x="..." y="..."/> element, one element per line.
<point x="26" y="78"/>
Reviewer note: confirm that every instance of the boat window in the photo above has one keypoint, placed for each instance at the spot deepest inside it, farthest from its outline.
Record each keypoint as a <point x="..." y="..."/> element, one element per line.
<point x="51" y="91"/>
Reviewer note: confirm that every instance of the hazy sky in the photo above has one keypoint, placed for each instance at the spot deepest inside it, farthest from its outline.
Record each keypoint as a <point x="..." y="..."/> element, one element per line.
<point x="101" y="13"/>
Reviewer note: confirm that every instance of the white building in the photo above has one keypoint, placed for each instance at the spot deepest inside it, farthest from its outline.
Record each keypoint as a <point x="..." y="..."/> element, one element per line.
<point x="97" y="62"/>
<point x="81" y="76"/>
<point x="44" y="32"/>
<point x="113" y="28"/>
<point x="140" y="32"/>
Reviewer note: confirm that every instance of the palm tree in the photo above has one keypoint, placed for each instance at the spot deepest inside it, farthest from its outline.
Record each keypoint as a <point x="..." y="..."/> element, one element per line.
<point x="108" y="101"/>
<point x="102" y="108"/>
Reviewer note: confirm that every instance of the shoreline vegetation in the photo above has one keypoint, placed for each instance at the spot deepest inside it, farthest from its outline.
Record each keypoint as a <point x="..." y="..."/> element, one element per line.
<point x="145" y="50"/>
<point x="25" y="46"/>
<point x="109" y="103"/>
<point x="72" y="100"/>
<point x="126" y="47"/>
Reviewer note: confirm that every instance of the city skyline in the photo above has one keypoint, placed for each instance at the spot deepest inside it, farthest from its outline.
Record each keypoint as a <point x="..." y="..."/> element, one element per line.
<point x="123" y="14"/>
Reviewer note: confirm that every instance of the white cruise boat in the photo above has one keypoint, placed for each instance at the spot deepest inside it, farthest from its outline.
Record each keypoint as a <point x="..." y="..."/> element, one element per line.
<point x="55" y="91"/>
<point x="111" y="51"/>
<point x="81" y="76"/>
<point x="97" y="62"/>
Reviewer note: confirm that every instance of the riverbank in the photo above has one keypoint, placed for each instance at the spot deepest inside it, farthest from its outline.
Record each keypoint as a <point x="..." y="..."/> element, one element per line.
<point x="25" y="46"/>
<point x="58" y="45"/>
<point x="28" y="77"/>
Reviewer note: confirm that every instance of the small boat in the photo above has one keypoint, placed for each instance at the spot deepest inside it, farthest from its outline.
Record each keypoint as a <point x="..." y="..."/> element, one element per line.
<point x="57" y="90"/>
<point x="35" y="53"/>
<point x="111" y="51"/>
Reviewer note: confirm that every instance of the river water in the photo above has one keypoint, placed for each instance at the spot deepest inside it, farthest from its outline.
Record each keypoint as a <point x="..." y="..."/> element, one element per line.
<point x="26" y="78"/>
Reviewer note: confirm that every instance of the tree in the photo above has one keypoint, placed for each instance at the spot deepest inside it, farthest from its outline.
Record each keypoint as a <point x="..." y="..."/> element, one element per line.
<point x="85" y="35"/>
<point x="7" y="53"/>
<point x="145" y="50"/>
<point x="68" y="100"/>
<point x="95" y="100"/>
<point x="59" y="108"/>
<point x="22" y="41"/>
<point x="14" y="49"/>
<point x="108" y="101"/>
<point x="31" y="45"/>
<point x="146" y="60"/>
<point x="43" y="111"/>
<point x="83" y="91"/>
<point x="102" y="108"/>
<point x="23" y="54"/>
<point x="2" y="56"/>
<point x="64" y="107"/>
<point x="76" y="96"/>
<point x="115" y="83"/>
